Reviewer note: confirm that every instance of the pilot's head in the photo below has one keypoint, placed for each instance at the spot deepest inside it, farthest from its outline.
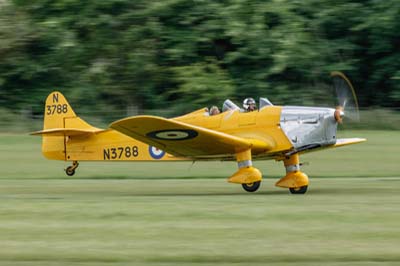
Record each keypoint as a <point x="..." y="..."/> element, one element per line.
<point x="249" y="104"/>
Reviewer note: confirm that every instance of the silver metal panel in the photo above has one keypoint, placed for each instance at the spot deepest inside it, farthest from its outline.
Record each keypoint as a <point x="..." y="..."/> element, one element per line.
<point x="309" y="125"/>
<point x="245" y="163"/>
<point x="292" y="168"/>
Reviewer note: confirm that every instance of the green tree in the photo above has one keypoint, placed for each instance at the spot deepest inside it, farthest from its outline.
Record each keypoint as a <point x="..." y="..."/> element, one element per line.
<point x="141" y="55"/>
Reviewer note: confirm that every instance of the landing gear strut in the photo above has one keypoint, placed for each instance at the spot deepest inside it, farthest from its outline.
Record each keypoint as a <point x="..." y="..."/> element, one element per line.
<point x="247" y="175"/>
<point x="295" y="180"/>
<point x="70" y="171"/>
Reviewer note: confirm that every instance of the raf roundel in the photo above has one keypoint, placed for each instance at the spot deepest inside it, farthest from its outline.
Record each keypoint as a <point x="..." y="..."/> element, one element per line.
<point x="173" y="134"/>
<point x="156" y="153"/>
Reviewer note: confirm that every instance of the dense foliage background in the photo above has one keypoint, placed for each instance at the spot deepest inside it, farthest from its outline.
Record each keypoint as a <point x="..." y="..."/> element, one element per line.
<point x="177" y="55"/>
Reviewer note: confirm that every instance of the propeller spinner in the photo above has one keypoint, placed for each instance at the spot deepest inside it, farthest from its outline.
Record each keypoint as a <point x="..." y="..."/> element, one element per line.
<point x="347" y="105"/>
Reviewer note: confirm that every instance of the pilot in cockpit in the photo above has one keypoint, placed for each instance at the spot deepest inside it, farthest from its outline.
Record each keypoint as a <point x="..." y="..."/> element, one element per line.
<point x="249" y="105"/>
<point x="214" y="110"/>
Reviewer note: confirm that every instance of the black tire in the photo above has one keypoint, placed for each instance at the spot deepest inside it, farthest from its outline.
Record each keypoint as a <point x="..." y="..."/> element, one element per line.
<point x="298" y="190"/>
<point x="70" y="171"/>
<point x="251" y="187"/>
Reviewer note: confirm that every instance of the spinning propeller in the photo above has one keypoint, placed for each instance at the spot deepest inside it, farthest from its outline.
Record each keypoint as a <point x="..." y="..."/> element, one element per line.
<point x="347" y="105"/>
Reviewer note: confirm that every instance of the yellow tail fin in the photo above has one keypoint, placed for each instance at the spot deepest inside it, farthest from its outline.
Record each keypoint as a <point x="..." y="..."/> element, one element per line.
<point x="60" y="123"/>
<point x="56" y="110"/>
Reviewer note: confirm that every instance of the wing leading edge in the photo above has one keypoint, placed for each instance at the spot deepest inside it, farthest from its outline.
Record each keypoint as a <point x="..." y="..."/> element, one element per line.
<point x="66" y="132"/>
<point x="182" y="139"/>
<point x="315" y="147"/>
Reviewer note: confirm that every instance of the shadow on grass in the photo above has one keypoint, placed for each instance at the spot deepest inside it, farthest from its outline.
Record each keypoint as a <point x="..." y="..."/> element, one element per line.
<point x="77" y="177"/>
<point x="279" y="258"/>
<point x="184" y="187"/>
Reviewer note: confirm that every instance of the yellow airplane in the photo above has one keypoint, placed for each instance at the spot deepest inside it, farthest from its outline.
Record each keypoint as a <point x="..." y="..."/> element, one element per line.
<point x="269" y="132"/>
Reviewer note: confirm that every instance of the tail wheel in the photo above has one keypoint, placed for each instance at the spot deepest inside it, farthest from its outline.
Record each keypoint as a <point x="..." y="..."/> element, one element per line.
<point x="70" y="171"/>
<point x="251" y="187"/>
<point x="298" y="190"/>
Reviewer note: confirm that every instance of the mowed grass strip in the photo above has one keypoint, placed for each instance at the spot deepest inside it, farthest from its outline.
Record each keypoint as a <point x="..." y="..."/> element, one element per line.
<point x="341" y="221"/>
<point x="20" y="157"/>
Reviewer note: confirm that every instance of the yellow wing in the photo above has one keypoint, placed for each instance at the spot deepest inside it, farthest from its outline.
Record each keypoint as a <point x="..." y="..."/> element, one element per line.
<point x="182" y="139"/>
<point x="317" y="147"/>
<point x="349" y="141"/>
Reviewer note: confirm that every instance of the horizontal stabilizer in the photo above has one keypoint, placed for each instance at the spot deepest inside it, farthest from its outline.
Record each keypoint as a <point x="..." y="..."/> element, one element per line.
<point x="66" y="132"/>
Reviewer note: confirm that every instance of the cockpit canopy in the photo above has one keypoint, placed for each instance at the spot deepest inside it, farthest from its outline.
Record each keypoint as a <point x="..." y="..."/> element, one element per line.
<point x="231" y="106"/>
<point x="264" y="102"/>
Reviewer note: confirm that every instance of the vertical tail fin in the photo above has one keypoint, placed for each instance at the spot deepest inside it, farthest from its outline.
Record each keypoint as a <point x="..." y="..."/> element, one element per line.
<point x="60" y="122"/>
<point x="56" y="110"/>
<point x="59" y="114"/>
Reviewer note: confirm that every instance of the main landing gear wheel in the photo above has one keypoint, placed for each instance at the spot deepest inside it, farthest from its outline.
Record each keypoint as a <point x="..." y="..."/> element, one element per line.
<point x="298" y="190"/>
<point x="251" y="187"/>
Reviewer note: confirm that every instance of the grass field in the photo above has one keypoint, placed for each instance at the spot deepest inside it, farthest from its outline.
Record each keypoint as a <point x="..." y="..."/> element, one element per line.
<point x="21" y="158"/>
<point x="178" y="214"/>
